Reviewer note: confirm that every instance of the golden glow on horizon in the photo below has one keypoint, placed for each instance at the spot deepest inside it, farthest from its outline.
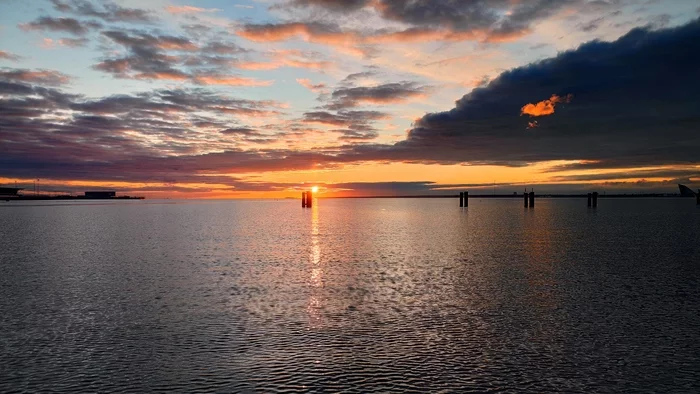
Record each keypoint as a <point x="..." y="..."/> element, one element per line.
<point x="343" y="181"/>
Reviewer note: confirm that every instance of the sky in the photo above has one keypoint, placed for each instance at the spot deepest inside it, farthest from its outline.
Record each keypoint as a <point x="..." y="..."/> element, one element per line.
<point x="266" y="98"/>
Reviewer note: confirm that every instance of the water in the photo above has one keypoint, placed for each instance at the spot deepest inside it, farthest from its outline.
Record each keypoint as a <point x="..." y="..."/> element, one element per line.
<point x="351" y="295"/>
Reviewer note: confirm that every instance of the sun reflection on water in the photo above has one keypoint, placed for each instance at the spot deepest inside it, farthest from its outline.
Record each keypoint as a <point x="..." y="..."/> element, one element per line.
<point x="314" y="305"/>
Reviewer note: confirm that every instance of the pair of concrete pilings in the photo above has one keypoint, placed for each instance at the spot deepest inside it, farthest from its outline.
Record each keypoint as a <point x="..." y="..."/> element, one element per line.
<point x="529" y="199"/>
<point x="463" y="199"/>
<point x="306" y="199"/>
<point x="593" y="199"/>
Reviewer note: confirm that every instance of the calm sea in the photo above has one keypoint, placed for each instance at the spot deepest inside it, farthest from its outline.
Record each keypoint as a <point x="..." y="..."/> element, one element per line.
<point x="370" y="295"/>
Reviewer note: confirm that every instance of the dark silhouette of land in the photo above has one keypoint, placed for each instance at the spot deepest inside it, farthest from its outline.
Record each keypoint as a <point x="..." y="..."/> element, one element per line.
<point x="12" y="193"/>
<point x="69" y="197"/>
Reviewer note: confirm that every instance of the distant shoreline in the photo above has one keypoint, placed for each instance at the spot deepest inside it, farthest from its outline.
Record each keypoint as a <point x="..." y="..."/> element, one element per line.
<point x="52" y="198"/>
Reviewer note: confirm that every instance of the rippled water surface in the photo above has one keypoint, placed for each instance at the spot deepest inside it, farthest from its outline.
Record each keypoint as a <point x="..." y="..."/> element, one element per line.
<point x="351" y="295"/>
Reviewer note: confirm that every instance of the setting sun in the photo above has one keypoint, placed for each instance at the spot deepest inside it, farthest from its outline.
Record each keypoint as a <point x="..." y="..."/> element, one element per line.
<point x="314" y="189"/>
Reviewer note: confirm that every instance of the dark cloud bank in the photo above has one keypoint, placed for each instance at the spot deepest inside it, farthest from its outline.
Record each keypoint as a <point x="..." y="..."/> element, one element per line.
<point x="635" y="103"/>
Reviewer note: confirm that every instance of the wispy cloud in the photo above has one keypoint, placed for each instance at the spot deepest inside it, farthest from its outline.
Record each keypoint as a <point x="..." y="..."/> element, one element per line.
<point x="317" y="88"/>
<point x="9" y="56"/>
<point x="188" y="9"/>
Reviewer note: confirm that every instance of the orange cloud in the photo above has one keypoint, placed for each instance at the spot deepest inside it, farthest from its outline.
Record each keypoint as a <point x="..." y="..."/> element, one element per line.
<point x="311" y="33"/>
<point x="47" y="43"/>
<point x="177" y="45"/>
<point x="258" y="65"/>
<point x="306" y="64"/>
<point x="230" y="80"/>
<point x="41" y="76"/>
<point x="322" y="34"/>
<point x="310" y="85"/>
<point x="165" y="75"/>
<point x="545" y="107"/>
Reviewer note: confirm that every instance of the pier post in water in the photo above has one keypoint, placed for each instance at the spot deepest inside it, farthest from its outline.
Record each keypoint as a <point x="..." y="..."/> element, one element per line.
<point x="525" y="198"/>
<point x="309" y="199"/>
<point x="303" y="199"/>
<point x="595" y="199"/>
<point x="466" y="199"/>
<point x="697" y="197"/>
<point x="590" y="196"/>
<point x="532" y="199"/>
<point x="461" y="199"/>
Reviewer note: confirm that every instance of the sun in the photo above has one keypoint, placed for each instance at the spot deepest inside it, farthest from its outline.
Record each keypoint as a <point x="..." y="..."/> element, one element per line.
<point x="314" y="189"/>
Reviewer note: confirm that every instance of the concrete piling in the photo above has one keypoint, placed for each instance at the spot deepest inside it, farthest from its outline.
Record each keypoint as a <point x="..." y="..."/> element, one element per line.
<point x="532" y="199"/>
<point x="466" y="199"/>
<point x="525" y="198"/>
<point x="595" y="199"/>
<point x="697" y="197"/>
<point x="309" y="199"/>
<point x="461" y="199"/>
<point x="303" y="199"/>
<point x="590" y="198"/>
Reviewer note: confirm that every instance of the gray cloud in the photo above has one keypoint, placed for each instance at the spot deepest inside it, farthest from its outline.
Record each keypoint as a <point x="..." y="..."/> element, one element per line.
<point x="223" y="48"/>
<point x="347" y="97"/>
<point x="68" y="25"/>
<point x="146" y="59"/>
<point x="156" y="56"/>
<point x="336" y="5"/>
<point x="343" y="118"/>
<point x="491" y="20"/>
<point x="350" y="79"/>
<point x="110" y="12"/>
<point x="357" y="133"/>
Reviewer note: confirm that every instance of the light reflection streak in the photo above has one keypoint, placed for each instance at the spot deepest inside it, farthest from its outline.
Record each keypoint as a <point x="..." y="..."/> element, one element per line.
<point x="314" y="305"/>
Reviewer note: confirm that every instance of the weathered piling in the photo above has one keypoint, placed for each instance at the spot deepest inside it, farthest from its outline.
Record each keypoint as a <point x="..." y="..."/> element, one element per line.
<point x="303" y="199"/>
<point x="309" y="199"/>
<point x="466" y="199"/>
<point x="590" y="198"/>
<point x="595" y="199"/>
<point x="525" y="198"/>
<point x="532" y="199"/>
<point x="461" y="199"/>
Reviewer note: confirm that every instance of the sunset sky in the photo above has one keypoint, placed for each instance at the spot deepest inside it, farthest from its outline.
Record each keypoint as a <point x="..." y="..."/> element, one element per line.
<point x="264" y="98"/>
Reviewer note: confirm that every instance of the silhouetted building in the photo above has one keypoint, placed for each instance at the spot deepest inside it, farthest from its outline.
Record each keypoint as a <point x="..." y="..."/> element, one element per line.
<point x="106" y="194"/>
<point x="685" y="191"/>
<point x="9" y="191"/>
